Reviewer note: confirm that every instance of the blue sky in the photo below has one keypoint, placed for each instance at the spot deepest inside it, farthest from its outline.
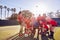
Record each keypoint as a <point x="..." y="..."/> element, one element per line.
<point x="35" y="6"/>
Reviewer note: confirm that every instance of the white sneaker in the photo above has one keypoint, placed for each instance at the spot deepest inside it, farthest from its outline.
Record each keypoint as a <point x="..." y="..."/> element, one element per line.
<point x="26" y="35"/>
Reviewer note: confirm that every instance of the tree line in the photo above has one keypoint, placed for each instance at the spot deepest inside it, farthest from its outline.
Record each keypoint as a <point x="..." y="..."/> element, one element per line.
<point x="7" y="9"/>
<point x="54" y="14"/>
<point x="14" y="14"/>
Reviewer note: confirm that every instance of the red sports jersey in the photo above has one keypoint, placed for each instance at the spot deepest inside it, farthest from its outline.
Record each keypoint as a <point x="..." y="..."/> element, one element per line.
<point x="40" y="18"/>
<point x="45" y="25"/>
<point x="27" y="22"/>
<point x="20" y="18"/>
<point x="53" y="23"/>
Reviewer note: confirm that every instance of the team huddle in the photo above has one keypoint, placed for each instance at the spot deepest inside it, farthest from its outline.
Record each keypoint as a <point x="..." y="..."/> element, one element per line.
<point x="34" y="26"/>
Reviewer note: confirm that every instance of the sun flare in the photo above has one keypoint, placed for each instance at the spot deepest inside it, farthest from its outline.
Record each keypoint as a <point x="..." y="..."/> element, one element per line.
<point x="39" y="8"/>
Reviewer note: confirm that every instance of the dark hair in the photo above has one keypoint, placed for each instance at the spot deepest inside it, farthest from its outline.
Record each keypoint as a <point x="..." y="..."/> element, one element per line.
<point x="19" y="12"/>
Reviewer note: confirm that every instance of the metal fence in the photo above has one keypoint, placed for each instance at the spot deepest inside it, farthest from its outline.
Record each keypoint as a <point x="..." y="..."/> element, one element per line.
<point x="14" y="22"/>
<point x="8" y="22"/>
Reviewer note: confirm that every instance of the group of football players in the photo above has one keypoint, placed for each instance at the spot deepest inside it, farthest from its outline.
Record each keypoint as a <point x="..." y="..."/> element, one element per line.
<point x="39" y="25"/>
